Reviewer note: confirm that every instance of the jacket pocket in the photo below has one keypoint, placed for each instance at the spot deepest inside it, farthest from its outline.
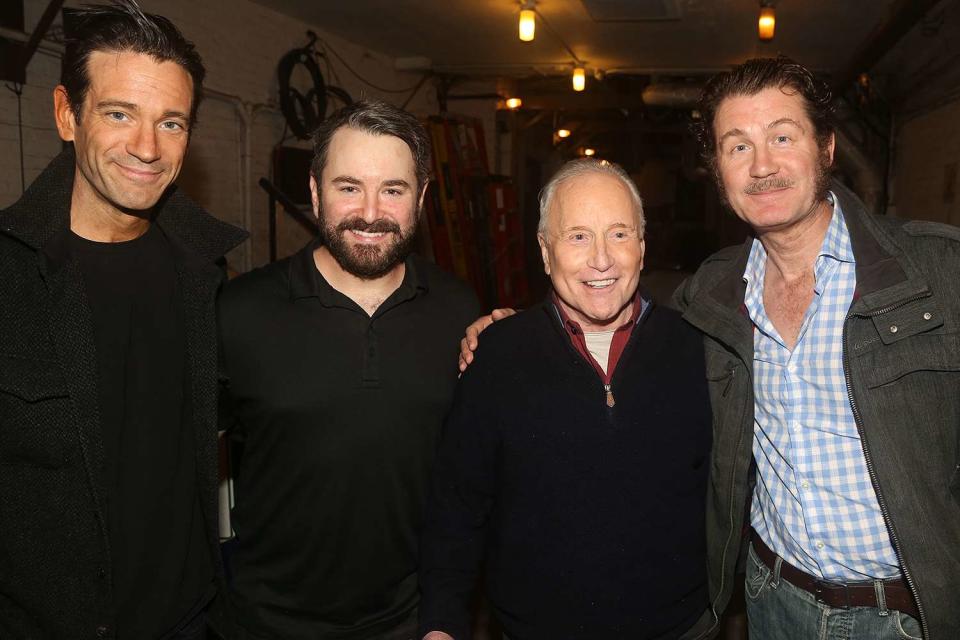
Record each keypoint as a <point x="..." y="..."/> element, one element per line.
<point x="722" y="370"/>
<point x="727" y="381"/>
<point x="919" y="353"/>
<point x="35" y="424"/>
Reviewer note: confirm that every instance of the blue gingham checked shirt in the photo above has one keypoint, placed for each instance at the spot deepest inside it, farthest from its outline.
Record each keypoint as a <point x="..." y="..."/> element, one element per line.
<point x="814" y="504"/>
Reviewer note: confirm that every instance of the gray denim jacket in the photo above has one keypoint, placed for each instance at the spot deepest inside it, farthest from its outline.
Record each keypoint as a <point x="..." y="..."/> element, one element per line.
<point x="902" y="366"/>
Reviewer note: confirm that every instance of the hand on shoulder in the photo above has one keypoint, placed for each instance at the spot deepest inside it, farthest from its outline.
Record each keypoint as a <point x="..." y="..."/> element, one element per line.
<point x="472" y="338"/>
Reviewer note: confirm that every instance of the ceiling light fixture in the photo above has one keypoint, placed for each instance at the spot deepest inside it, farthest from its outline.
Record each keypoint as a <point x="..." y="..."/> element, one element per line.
<point x="528" y="21"/>
<point x="589" y="152"/>
<point x="579" y="78"/>
<point x="563" y="133"/>
<point x="514" y="103"/>
<point x="767" y="22"/>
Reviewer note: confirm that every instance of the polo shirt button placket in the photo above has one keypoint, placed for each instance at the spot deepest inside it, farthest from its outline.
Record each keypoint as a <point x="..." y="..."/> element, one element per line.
<point x="371" y="364"/>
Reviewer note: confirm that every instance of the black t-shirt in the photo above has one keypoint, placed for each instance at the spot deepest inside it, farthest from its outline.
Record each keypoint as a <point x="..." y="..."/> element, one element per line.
<point x="160" y="558"/>
<point x="339" y="414"/>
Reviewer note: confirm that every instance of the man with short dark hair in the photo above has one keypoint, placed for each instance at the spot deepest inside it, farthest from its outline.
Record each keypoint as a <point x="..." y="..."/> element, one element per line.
<point x="108" y="373"/>
<point x="574" y="463"/>
<point x="340" y="368"/>
<point x="834" y="368"/>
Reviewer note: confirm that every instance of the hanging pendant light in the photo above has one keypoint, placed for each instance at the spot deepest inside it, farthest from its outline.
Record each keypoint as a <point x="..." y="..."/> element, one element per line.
<point x="767" y="22"/>
<point x="579" y="78"/>
<point x="528" y="22"/>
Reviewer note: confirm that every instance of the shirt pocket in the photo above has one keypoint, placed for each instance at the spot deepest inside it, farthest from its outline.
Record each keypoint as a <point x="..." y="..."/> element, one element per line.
<point x="35" y="423"/>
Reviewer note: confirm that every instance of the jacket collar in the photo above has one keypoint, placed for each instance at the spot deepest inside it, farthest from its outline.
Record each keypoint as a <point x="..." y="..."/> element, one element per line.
<point x="43" y="214"/>
<point x="885" y="276"/>
<point x="882" y="268"/>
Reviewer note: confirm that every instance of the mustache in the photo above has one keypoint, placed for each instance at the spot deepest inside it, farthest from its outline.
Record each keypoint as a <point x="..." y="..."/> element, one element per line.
<point x="377" y="226"/>
<point x="767" y="184"/>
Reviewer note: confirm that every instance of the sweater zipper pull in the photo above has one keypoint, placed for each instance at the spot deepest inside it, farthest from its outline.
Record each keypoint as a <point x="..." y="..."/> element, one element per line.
<point x="610" y="400"/>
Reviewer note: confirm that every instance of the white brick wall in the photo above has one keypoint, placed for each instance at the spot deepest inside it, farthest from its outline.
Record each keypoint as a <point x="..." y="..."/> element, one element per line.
<point x="241" y="44"/>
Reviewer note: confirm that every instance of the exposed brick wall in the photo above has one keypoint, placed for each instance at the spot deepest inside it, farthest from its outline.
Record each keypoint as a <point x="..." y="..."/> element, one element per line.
<point x="928" y="148"/>
<point x="241" y="44"/>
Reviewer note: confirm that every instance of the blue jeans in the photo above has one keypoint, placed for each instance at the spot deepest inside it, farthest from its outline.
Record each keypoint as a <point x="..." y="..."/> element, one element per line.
<point x="777" y="610"/>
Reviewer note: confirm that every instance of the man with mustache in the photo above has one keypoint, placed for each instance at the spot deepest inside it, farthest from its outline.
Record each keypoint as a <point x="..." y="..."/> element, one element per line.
<point x="108" y="365"/>
<point x="833" y="358"/>
<point x="340" y="364"/>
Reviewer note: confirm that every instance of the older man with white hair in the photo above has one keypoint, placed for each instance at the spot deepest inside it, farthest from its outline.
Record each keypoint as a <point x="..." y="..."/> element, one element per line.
<point x="585" y="504"/>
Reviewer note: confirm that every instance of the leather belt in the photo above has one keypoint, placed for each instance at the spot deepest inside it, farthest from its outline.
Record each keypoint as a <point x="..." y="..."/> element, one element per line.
<point x="840" y="595"/>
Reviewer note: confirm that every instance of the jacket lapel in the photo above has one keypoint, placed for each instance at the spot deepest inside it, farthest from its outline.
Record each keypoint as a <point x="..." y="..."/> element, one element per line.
<point x="70" y="326"/>
<point x="40" y="220"/>
<point x="198" y="289"/>
<point x="885" y="276"/>
<point x="719" y="313"/>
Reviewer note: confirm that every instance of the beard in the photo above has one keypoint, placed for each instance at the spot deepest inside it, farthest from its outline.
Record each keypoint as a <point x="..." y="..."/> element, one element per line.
<point x="368" y="262"/>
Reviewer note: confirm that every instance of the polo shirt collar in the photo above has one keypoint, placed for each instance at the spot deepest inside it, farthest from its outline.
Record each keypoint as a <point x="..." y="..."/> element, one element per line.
<point x="306" y="281"/>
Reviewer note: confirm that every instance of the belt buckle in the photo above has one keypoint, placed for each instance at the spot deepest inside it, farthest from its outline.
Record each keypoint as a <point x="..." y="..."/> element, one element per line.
<point x="820" y="586"/>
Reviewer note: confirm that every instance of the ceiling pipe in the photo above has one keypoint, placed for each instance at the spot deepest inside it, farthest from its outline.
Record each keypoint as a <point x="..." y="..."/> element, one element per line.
<point x="49" y="14"/>
<point x="868" y="177"/>
<point x="14" y="66"/>
<point x="677" y="96"/>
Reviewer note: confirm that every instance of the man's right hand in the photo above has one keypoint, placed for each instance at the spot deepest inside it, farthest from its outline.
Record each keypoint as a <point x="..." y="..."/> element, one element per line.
<point x="469" y="343"/>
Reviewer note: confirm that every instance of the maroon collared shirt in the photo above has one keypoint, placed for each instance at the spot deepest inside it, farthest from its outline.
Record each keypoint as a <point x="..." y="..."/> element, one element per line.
<point x="621" y="335"/>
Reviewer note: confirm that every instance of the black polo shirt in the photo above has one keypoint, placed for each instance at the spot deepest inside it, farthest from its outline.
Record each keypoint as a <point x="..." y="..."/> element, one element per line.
<point x="338" y="414"/>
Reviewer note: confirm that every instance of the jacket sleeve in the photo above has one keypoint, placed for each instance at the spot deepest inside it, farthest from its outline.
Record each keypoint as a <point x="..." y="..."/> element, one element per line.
<point x="681" y="296"/>
<point x="462" y="495"/>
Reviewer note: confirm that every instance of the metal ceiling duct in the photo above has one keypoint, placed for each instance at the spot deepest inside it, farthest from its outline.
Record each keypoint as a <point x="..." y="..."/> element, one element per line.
<point x="674" y="95"/>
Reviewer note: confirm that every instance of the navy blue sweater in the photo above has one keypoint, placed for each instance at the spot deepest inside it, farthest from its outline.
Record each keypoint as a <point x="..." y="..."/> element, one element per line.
<point x="588" y="519"/>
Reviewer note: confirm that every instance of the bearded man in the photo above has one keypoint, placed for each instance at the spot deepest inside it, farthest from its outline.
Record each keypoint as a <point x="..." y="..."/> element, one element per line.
<point x="339" y="368"/>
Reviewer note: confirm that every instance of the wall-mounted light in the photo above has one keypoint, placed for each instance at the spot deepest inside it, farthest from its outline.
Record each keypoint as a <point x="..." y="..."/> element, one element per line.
<point x="513" y="103"/>
<point x="563" y="133"/>
<point x="589" y="152"/>
<point x="528" y="22"/>
<point x="579" y="78"/>
<point x="767" y="21"/>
